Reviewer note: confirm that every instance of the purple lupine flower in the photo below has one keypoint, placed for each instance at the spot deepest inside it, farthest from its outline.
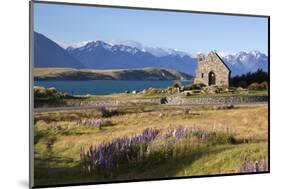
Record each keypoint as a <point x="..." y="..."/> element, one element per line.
<point x="120" y="150"/>
<point x="247" y="167"/>
<point x="253" y="166"/>
<point x="125" y="149"/>
<point x="252" y="169"/>
<point x="264" y="166"/>
<point x="257" y="166"/>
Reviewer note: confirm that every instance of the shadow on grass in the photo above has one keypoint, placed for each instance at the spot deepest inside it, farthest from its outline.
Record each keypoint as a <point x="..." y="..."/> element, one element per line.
<point x="155" y="166"/>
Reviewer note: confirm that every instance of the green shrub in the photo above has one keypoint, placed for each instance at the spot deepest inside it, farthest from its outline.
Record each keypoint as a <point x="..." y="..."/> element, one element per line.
<point x="254" y="86"/>
<point x="257" y="86"/>
<point x="39" y="92"/>
<point x="177" y="85"/>
<point x="105" y="112"/>
<point x="245" y="80"/>
<point x="53" y="92"/>
<point x="198" y="86"/>
<point x="239" y="89"/>
<point x="221" y="138"/>
<point x="264" y="85"/>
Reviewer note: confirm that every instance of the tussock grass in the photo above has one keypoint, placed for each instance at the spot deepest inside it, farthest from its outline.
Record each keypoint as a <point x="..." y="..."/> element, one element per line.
<point x="57" y="148"/>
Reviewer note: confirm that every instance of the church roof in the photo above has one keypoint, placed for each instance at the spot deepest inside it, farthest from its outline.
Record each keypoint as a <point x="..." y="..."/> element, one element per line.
<point x="221" y="60"/>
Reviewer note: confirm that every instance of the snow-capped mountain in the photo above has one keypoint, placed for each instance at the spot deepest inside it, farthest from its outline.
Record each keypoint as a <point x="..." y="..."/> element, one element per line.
<point x="93" y="45"/>
<point x="102" y="55"/>
<point x="243" y="62"/>
<point x="156" y="51"/>
<point x="132" y="54"/>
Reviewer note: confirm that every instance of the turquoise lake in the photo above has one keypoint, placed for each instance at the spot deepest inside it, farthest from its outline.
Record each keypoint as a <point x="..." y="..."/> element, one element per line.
<point x="104" y="87"/>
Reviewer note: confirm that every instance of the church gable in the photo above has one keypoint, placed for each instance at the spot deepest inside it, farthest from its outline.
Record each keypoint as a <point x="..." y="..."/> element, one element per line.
<point x="211" y="70"/>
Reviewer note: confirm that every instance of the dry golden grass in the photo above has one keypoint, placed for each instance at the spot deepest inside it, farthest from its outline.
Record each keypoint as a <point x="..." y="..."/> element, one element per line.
<point x="60" y="164"/>
<point x="55" y="71"/>
<point x="245" y="122"/>
<point x="48" y="71"/>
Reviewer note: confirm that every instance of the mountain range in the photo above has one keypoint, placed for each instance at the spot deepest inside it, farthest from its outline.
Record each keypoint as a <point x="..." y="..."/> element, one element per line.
<point x="244" y="62"/>
<point x="131" y="54"/>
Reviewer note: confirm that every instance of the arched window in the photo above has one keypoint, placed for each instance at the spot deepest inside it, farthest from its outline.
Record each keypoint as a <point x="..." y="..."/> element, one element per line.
<point x="212" y="78"/>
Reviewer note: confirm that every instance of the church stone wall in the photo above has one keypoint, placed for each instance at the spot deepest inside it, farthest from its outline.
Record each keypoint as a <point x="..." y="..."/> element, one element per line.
<point x="211" y="63"/>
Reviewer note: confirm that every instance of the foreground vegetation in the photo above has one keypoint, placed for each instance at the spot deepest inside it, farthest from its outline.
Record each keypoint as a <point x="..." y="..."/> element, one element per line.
<point x="134" y="135"/>
<point x="171" y="141"/>
<point x="254" y="80"/>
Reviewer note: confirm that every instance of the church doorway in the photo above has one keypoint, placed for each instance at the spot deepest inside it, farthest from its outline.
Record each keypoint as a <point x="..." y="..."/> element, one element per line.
<point x="212" y="78"/>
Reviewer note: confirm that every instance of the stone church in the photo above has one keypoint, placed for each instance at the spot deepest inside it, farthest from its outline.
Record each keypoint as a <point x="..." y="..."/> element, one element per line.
<point x="211" y="70"/>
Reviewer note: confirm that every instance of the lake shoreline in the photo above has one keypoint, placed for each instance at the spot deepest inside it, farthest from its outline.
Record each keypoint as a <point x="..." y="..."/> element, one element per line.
<point x="106" y="87"/>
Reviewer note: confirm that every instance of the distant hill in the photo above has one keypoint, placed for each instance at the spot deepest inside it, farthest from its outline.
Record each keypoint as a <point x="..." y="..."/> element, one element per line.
<point x="118" y="74"/>
<point x="49" y="54"/>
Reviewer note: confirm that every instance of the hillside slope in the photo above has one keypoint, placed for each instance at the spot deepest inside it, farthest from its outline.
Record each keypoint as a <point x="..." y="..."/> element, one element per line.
<point x="117" y="74"/>
<point x="48" y="54"/>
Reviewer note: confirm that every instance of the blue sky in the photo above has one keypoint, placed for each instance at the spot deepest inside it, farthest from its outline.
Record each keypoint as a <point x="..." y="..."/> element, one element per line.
<point x="188" y="32"/>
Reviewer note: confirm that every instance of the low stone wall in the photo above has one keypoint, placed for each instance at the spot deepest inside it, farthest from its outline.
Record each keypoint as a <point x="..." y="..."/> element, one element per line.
<point x="111" y="102"/>
<point x="171" y="100"/>
<point x="216" y="100"/>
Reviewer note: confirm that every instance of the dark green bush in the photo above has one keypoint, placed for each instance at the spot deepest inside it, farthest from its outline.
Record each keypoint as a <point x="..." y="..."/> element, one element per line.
<point x="105" y="112"/>
<point x="220" y="138"/>
<point x="245" y="80"/>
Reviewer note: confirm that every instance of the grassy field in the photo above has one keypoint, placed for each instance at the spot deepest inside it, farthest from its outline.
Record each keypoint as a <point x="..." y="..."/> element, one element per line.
<point x="241" y="135"/>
